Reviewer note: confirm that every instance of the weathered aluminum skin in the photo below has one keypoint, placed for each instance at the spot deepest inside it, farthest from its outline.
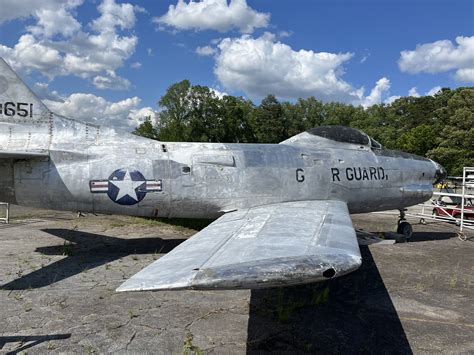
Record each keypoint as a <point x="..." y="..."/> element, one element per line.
<point x="52" y="162"/>
<point x="273" y="245"/>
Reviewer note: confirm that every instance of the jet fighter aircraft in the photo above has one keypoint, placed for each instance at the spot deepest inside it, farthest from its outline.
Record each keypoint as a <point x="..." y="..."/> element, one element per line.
<point x="281" y="210"/>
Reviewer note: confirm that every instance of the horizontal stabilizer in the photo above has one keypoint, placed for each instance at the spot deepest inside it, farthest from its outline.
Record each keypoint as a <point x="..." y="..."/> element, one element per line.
<point x="22" y="154"/>
<point x="274" y="245"/>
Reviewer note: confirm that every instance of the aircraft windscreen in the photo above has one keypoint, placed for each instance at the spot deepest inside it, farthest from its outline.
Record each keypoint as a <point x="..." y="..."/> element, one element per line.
<point x="375" y="144"/>
<point x="341" y="134"/>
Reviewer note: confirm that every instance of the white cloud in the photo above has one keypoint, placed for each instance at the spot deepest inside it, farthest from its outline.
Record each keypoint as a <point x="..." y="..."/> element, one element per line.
<point x="53" y="21"/>
<point x="93" y="56"/>
<point x="466" y="74"/>
<point x="213" y="15"/>
<point x="206" y="51"/>
<point x="110" y="81"/>
<point x="261" y="66"/>
<point x="43" y="92"/>
<point x="125" y="114"/>
<point x="413" y="92"/>
<point x="114" y="15"/>
<point x="376" y="94"/>
<point x="138" y="116"/>
<point x="136" y="65"/>
<point x="219" y="94"/>
<point x="441" y="56"/>
<point x="391" y="99"/>
<point x="32" y="54"/>
<point x="284" y="34"/>
<point x="433" y="91"/>
<point x="13" y="9"/>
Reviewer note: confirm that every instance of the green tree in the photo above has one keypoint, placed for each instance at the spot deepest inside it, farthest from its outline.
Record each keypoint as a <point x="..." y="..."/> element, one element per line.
<point x="268" y="121"/>
<point x="146" y="129"/>
<point x="174" y="117"/>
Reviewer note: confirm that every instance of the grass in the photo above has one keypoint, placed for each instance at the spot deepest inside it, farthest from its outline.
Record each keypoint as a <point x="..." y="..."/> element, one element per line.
<point x="179" y="224"/>
<point x="188" y="347"/>
<point x="68" y="248"/>
<point x="320" y="297"/>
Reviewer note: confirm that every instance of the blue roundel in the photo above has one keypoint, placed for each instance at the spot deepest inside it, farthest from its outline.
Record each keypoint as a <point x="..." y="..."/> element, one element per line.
<point x="126" y="187"/>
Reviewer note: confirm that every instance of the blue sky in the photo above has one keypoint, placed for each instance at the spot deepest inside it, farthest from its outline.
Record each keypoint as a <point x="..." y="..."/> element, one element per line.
<point x="110" y="61"/>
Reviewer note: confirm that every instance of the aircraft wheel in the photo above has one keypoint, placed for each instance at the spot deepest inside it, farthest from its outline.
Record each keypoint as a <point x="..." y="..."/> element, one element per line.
<point x="405" y="229"/>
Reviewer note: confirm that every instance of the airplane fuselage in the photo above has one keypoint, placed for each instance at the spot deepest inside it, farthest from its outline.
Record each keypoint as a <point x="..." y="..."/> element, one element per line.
<point x="137" y="176"/>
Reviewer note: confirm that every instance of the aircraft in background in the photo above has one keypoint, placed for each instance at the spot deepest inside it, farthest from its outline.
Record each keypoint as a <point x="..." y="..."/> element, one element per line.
<point x="282" y="209"/>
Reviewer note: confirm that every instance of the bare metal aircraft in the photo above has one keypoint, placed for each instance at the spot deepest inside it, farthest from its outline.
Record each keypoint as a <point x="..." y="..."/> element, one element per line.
<point x="282" y="209"/>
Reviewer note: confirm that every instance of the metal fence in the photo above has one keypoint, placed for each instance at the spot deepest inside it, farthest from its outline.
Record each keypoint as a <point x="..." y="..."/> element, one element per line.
<point x="457" y="211"/>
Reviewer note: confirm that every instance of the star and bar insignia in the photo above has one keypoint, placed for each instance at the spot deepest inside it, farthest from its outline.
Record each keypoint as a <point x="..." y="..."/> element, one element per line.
<point x="125" y="186"/>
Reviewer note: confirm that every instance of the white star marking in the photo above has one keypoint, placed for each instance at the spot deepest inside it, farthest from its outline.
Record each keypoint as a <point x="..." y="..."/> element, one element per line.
<point x="127" y="187"/>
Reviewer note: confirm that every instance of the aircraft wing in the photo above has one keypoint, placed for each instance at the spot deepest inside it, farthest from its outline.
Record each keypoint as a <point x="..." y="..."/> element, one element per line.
<point x="273" y="245"/>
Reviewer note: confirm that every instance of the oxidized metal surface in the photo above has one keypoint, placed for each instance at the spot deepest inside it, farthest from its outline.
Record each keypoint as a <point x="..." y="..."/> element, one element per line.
<point x="53" y="162"/>
<point x="281" y="244"/>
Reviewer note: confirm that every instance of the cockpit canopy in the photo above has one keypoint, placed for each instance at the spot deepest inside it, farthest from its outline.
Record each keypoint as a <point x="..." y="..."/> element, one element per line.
<point x="345" y="135"/>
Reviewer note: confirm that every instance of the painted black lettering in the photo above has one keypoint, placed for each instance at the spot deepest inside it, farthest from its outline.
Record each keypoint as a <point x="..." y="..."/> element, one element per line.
<point x="31" y="110"/>
<point x="365" y="174"/>
<point x="1" y="109"/>
<point x="373" y="173"/>
<point x="22" y="112"/>
<point x="380" y="173"/>
<point x="9" y="108"/>
<point x="335" y="174"/>
<point x="359" y="176"/>
<point x="349" y="174"/>
<point x="299" y="175"/>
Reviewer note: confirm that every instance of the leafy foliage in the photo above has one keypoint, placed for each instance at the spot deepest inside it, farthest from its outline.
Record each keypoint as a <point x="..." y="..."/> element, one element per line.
<point x="440" y="127"/>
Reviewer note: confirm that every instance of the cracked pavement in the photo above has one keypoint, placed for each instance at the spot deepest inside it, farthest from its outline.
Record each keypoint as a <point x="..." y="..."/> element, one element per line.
<point x="59" y="273"/>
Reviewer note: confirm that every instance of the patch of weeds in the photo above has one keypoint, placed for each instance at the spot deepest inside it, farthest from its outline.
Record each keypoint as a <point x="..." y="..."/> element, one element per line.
<point x="28" y="309"/>
<point x="68" y="248"/>
<point x="132" y="314"/>
<point x="118" y="224"/>
<point x="453" y="281"/>
<point x="188" y="347"/>
<point x="89" y="349"/>
<point x="320" y="297"/>
<point x="180" y="224"/>
<point x="51" y="345"/>
<point x="286" y="307"/>
<point x="18" y="296"/>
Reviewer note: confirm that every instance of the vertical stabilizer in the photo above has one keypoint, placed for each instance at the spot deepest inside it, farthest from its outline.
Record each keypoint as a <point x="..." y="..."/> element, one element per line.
<point x="18" y="104"/>
<point x="26" y="124"/>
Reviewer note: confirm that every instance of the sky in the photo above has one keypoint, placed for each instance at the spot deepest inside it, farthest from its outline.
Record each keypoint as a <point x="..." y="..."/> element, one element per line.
<point x="110" y="61"/>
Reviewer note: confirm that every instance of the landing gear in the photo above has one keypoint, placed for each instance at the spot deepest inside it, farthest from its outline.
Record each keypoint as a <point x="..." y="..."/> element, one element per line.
<point x="404" y="228"/>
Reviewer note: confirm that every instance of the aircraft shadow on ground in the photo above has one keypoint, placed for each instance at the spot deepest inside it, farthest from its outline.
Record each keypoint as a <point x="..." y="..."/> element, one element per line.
<point x="28" y="341"/>
<point x="85" y="251"/>
<point x="349" y="315"/>
<point x="427" y="236"/>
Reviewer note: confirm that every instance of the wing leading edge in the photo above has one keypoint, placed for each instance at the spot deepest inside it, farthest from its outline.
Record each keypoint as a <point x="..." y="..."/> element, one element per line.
<point x="274" y="245"/>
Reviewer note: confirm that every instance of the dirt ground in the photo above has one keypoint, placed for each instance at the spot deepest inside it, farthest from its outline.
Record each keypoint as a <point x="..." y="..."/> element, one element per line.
<point x="58" y="273"/>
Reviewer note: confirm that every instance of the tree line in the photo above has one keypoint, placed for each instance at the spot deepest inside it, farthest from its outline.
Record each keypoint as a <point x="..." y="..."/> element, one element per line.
<point x="440" y="127"/>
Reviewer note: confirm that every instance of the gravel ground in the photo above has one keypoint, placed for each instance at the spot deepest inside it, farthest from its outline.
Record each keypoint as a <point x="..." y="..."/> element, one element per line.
<point x="59" y="272"/>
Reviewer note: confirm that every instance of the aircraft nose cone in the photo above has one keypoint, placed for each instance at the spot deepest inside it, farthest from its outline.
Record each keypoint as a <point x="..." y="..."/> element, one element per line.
<point x="440" y="173"/>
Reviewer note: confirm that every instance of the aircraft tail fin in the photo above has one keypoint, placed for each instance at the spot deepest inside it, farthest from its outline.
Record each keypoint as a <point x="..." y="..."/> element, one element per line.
<point x="18" y="104"/>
